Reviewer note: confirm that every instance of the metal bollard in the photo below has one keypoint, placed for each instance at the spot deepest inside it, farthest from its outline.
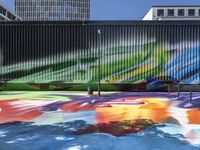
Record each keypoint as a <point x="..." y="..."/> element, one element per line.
<point x="169" y="90"/>
<point x="190" y="94"/>
<point x="90" y="90"/>
<point x="178" y="91"/>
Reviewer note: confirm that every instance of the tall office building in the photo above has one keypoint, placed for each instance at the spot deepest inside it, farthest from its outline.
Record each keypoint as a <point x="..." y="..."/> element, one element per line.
<point x="53" y="9"/>
<point x="6" y="14"/>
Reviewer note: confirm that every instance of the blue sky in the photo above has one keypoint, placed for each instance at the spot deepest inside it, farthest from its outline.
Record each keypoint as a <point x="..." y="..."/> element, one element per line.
<point x="123" y="9"/>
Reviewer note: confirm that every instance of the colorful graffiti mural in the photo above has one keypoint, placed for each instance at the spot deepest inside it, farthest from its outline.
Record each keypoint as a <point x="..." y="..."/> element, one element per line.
<point x="68" y="53"/>
<point x="64" y="120"/>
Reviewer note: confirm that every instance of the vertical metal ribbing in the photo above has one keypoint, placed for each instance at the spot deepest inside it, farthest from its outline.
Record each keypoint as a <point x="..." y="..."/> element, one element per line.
<point x="134" y="49"/>
<point x="105" y="33"/>
<point x="128" y="54"/>
<point x="117" y="42"/>
<point x="82" y="52"/>
<point x="120" y="54"/>
<point x="147" y="48"/>
<point x="170" y="30"/>
<point x="127" y="51"/>
<point x="155" y="51"/>
<point x="196" y="54"/>
<point x="48" y="48"/>
<point x="116" y="45"/>
<point x="4" y="50"/>
<point x="172" y="39"/>
<point x="177" y="49"/>
<point x="7" y="51"/>
<point x="36" y="53"/>
<point x="163" y="46"/>
<point x="139" y="51"/>
<point x="189" y="49"/>
<point x="1" y="54"/>
<point x="162" y="63"/>
<point x="181" y="50"/>
<point x="194" y="71"/>
<point x="20" y="55"/>
<point x="12" y="55"/>
<point x="11" y="61"/>
<point x="51" y="56"/>
<point x="63" y="57"/>
<point x="80" y="46"/>
<point x="54" y="41"/>
<point x="123" y="50"/>
<point x="86" y="54"/>
<point x="75" y="67"/>
<point x="150" y="66"/>
<point x="35" y="50"/>
<point x="143" y="72"/>
<point x="7" y="48"/>
<point x="25" y="49"/>
<point x="109" y="47"/>
<point x="93" y="55"/>
<point x="66" y="41"/>
<point x="197" y="51"/>
<point x="192" y="52"/>
<point x="186" y="49"/>
<point x="54" y="68"/>
<point x="66" y="49"/>
<point x="144" y="50"/>
<point x="55" y="53"/>
<point x="160" y="50"/>
<point x="72" y="31"/>
<point x="168" y="46"/>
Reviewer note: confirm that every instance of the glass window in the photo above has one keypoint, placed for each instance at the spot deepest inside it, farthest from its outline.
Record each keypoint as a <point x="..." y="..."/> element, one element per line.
<point x="181" y="12"/>
<point x="170" y="12"/>
<point x="191" y="12"/>
<point x="160" y="12"/>
<point x="199" y="12"/>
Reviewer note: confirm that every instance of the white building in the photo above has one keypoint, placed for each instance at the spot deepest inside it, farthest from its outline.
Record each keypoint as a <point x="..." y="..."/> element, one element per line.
<point x="6" y="14"/>
<point x="173" y="13"/>
<point x="53" y="9"/>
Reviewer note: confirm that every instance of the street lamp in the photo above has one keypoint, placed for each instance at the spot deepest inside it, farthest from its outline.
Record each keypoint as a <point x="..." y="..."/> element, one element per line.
<point x="99" y="62"/>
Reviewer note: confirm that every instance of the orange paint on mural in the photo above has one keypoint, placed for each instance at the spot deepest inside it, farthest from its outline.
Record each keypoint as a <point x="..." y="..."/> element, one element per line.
<point x="155" y="109"/>
<point x="193" y="116"/>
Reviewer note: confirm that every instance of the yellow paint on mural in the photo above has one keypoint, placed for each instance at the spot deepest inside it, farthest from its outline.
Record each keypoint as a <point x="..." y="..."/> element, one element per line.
<point x="136" y="72"/>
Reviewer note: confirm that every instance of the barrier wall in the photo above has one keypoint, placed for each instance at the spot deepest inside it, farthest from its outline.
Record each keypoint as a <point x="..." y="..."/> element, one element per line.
<point x="57" y="55"/>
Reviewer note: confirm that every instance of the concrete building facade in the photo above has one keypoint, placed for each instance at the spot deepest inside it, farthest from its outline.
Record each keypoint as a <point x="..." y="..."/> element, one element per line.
<point x="72" y="10"/>
<point x="173" y="13"/>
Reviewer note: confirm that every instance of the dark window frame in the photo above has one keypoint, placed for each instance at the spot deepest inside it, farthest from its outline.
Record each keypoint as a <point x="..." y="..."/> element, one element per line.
<point x="170" y="14"/>
<point x="191" y="14"/>
<point x="160" y="12"/>
<point x="181" y="12"/>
